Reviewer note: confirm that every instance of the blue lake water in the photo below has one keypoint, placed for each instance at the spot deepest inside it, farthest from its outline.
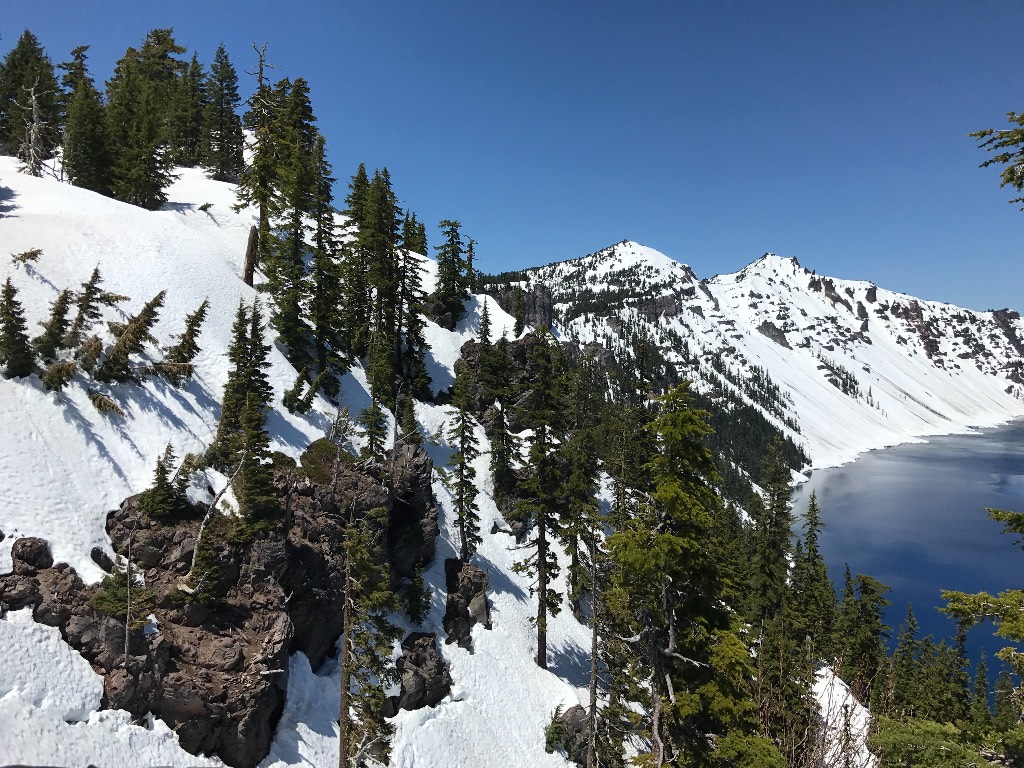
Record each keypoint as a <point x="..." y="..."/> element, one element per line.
<point x="913" y="516"/>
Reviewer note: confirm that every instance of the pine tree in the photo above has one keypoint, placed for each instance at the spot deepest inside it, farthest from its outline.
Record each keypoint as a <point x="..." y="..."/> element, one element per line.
<point x="222" y="139"/>
<point x="517" y="312"/>
<point x="130" y="341"/>
<point x="813" y="594"/>
<point x="462" y="437"/>
<point x="451" y="292"/>
<point x="862" y="634"/>
<point x="27" y="68"/>
<point x="366" y="640"/>
<point x="140" y="105"/>
<point x="410" y="429"/>
<point x="375" y="428"/>
<point x="682" y="661"/>
<point x="86" y="157"/>
<point x="253" y="485"/>
<point x="579" y="512"/>
<point x="165" y="499"/>
<point x="411" y="324"/>
<point x="904" y="683"/>
<point x="177" y="365"/>
<point x="538" y="503"/>
<point x="504" y="450"/>
<point x="51" y="340"/>
<point x="185" y="115"/>
<point x="378" y="242"/>
<point x="1007" y="709"/>
<point x="773" y="521"/>
<point x="15" y="350"/>
<point x="87" y="308"/>
<point x="256" y="183"/>
<point x="980" y="714"/>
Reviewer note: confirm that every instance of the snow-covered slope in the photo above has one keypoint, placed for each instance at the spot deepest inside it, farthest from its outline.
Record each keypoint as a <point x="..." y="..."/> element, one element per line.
<point x="856" y="367"/>
<point x="63" y="465"/>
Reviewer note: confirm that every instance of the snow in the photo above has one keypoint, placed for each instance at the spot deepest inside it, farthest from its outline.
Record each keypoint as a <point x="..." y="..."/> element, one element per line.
<point x="847" y="723"/>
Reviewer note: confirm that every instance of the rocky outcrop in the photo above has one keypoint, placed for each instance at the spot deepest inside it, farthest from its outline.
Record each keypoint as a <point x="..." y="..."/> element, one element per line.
<point x="773" y="332"/>
<point x="216" y="670"/>
<point x="423" y="672"/>
<point x="573" y="730"/>
<point x="467" y="601"/>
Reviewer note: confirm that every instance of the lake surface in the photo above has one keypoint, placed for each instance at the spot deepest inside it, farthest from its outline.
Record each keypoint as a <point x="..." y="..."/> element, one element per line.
<point x="913" y="516"/>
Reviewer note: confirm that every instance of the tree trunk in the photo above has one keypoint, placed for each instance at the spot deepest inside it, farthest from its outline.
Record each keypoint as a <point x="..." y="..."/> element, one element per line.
<point x="251" y="256"/>
<point x="592" y="738"/>
<point x="542" y="591"/>
<point x="346" y="672"/>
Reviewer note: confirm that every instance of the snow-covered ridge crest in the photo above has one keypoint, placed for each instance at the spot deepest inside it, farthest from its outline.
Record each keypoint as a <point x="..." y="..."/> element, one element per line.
<point x="857" y="366"/>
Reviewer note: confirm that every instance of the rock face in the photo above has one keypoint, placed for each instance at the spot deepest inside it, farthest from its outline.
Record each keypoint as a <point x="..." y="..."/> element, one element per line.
<point x="217" y="672"/>
<point x="467" y="601"/>
<point x="424" y="674"/>
<point x="576" y="729"/>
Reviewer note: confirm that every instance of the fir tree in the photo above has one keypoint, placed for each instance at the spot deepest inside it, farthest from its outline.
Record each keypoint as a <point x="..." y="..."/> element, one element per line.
<point x="15" y="350"/>
<point x="186" y="111"/>
<point x="813" y="593"/>
<point x="504" y="449"/>
<point x="517" y="312"/>
<point x="256" y="183"/>
<point x="410" y="429"/>
<point x="86" y="157"/>
<point x="375" y="427"/>
<point x="366" y="640"/>
<point x="462" y="436"/>
<point x="538" y="503"/>
<point x="87" y="309"/>
<point x="51" y="340"/>
<point x="411" y="324"/>
<point x="980" y="714"/>
<point x="579" y="518"/>
<point x="27" y="68"/>
<point x="904" y="683"/>
<point x="130" y="341"/>
<point x="862" y="634"/>
<point x="1007" y="709"/>
<point x="773" y="522"/>
<point x="222" y="139"/>
<point x="253" y="485"/>
<point x="451" y="292"/>
<point x="683" y="664"/>
<point x="178" y="360"/>
<point x="165" y="499"/>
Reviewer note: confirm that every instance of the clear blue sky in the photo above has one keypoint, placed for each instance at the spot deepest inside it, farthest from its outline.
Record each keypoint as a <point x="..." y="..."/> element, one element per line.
<point x="713" y="131"/>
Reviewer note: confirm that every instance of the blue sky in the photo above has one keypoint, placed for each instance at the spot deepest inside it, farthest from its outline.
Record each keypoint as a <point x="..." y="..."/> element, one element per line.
<point x="713" y="131"/>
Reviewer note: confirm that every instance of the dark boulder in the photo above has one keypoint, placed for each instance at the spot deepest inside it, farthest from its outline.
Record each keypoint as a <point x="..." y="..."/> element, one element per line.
<point x="31" y="554"/>
<point x="424" y="674"/>
<point x="467" y="601"/>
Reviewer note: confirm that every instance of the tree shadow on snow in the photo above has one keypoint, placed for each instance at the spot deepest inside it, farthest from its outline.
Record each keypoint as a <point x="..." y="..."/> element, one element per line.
<point x="69" y="411"/>
<point x="7" y="197"/>
<point x="497" y="579"/>
<point x="571" y="663"/>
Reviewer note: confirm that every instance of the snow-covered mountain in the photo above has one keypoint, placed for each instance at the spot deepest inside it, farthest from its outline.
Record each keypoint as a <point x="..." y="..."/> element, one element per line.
<point x="842" y="366"/>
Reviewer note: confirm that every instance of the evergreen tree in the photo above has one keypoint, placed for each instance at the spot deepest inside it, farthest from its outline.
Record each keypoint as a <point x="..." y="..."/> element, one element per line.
<point x="222" y="138"/>
<point x="253" y="484"/>
<point x="141" y="120"/>
<point x="185" y="115"/>
<point x="411" y="324"/>
<point x="375" y="427"/>
<point x="165" y="499"/>
<point x="378" y="241"/>
<point x="813" y="594"/>
<point x="25" y="69"/>
<point x="86" y="157"/>
<point x="355" y="201"/>
<point x="130" y="341"/>
<point x="863" y="635"/>
<point x="773" y="521"/>
<point x="87" y="308"/>
<point x="580" y="523"/>
<point x="1007" y="710"/>
<point x="410" y="430"/>
<point x="326" y="294"/>
<point x="451" y="292"/>
<point x="462" y="437"/>
<point x="51" y="340"/>
<point x="15" y="350"/>
<point x="366" y="641"/>
<point x="685" y="666"/>
<point x="904" y="683"/>
<point x="980" y="714"/>
<point x="517" y="312"/>
<point x="256" y="183"/>
<point x="177" y="364"/>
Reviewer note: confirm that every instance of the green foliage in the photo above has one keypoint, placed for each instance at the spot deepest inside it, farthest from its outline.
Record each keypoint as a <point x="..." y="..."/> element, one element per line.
<point x="86" y="157"/>
<point x="374" y="428"/>
<point x="48" y="344"/>
<point x="104" y="404"/>
<point x="165" y="499"/>
<point x="555" y="733"/>
<point x="416" y="597"/>
<point x="26" y="257"/>
<point x="918" y="743"/>
<point x="222" y="139"/>
<point x="111" y="598"/>
<point x="177" y="366"/>
<point x="58" y="375"/>
<point x="16" y="354"/>
<point x="253" y="485"/>
<point x="451" y="291"/>
<point x="27" y="66"/>
<point x="461" y="481"/>
<point x="1008" y="144"/>
<point x="130" y="341"/>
